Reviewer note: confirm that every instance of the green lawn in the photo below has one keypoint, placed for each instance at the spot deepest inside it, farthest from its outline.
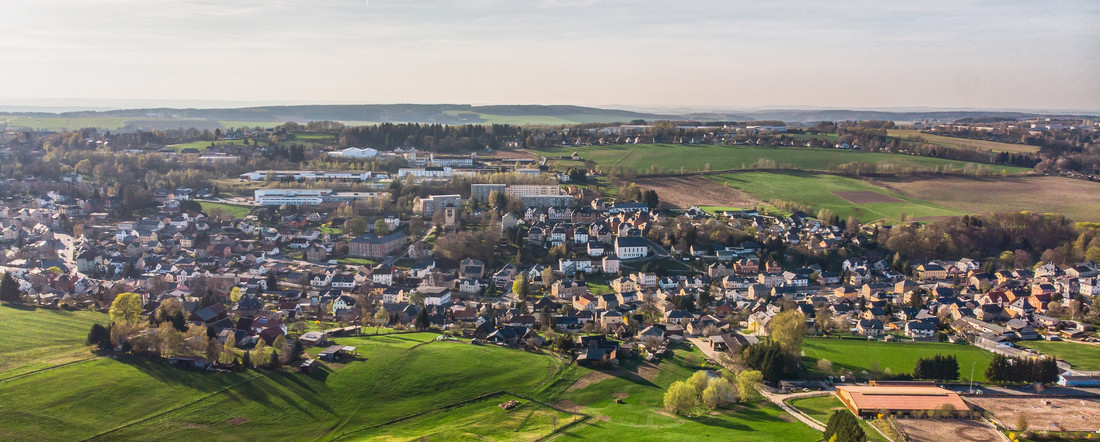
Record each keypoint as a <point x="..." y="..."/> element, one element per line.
<point x="40" y="338"/>
<point x="654" y="158"/>
<point x="900" y="357"/>
<point x="821" y="407"/>
<point x="357" y="261"/>
<point x="816" y="191"/>
<point x="236" y="210"/>
<point x="1080" y="356"/>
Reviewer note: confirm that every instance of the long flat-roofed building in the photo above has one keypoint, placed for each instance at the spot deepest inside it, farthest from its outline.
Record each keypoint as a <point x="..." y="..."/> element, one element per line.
<point x="909" y="398"/>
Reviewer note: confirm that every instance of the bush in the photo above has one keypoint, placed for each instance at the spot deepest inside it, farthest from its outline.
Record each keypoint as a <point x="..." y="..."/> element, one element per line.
<point x="680" y="398"/>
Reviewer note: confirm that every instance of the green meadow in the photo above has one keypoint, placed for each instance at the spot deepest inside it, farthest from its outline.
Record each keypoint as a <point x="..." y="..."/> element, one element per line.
<point x="673" y="158"/>
<point x="38" y="338"/>
<point x="400" y="387"/>
<point x="857" y="355"/>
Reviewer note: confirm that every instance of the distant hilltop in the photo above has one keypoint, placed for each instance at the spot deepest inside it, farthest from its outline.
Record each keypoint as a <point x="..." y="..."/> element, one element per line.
<point x="452" y="114"/>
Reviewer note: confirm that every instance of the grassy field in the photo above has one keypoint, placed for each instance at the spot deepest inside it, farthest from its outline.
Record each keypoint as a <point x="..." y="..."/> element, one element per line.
<point x="816" y="191"/>
<point x="202" y="145"/>
<point x="357" y="261"/>
<point x="237" y="211"/>
<point x="1080" y="356"/>
<point x="1077" y="199"/>
<point x="37" y="339"/>
<point x="900" y="357"/>
<point x="821" y="407"/>
<point x="641" y="388"/>
<point x="401" y="387"/>
<point x="962" y="143"/>
<point x="646" y="158"/>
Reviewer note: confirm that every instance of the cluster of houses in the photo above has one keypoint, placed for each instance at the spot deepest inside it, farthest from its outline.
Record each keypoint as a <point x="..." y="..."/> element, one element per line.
<point x="282" y="268"/>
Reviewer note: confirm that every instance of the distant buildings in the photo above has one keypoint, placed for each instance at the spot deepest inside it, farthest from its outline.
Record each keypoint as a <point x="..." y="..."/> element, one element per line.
<point x="308" y="197"/>
<point x="355" y="152"/>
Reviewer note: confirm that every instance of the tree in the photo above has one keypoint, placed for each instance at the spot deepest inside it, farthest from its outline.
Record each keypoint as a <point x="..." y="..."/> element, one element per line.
<point x="380" y="318"/>
<point x="519" y="286"/>
<point x="789" y="330"/>
<point x="381" y="228"/>
<point x="297" y="350"/>
<point x="355" y="226"/>
<point x="651" y="199"/>
<point x="126" y="308"/>
<point x="246" y="360"/>
<point x="235" y="294"/>
<point x="680" y="397"/>
<point x="844" y="427"/>
<point x="99" y="336"/>
<point x="274" y="363"/>
<point x="1021" y="422"/>
<point x="9" y="289"/>
<point x="719" y="392"/>
<point x="698" y="381"/>
<point x="548" y="277"/>
<point x="422" y="322"/>
<point x="747" y="380"/>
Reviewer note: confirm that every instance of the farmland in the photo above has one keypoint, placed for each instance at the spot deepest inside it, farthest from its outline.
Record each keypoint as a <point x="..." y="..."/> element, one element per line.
<point x="898" y="357"/>
<point x="1080" y="356"/>
<point x="60" y="123"/>
<point x="674" y="158"/>
<point x="962" y="143"/>
<point x="1077" y="199"/>
<point x="688" y="191"/>
<point x="36" y="339"/>
<point x="818" y="191"/>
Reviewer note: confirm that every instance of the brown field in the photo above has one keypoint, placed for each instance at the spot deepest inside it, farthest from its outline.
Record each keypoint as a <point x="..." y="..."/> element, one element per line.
<point x="866" y="197"/>
<point x="950" y="430"/>
<point x="1062" y="414"/>
<point x="963" y="143"/>
<point x="1077" y="199"/>
<point x="686" y="191"/>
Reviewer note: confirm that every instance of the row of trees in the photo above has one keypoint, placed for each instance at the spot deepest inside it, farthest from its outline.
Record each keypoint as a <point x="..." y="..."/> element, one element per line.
<point x="938" y="367"/>
<point x="1008" y="370"/>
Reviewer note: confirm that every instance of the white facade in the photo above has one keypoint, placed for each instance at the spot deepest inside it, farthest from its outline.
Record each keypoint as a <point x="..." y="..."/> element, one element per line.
<point x="355" y="152"/>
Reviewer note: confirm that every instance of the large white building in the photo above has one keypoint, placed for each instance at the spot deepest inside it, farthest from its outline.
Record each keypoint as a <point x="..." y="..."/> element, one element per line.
<point x="312" y="175"/>
<point x="355" y="152"/>
<point x="630" y="247"/>
<point x="309" y="197"/>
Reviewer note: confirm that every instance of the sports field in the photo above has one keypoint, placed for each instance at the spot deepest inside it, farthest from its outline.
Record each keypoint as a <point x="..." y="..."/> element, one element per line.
<point x="899" y="357"/>
<point x="1079" y="355"/>
<point x="235" y="210"/>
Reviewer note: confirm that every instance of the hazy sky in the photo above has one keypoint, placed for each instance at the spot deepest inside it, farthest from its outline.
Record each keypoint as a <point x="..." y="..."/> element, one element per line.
<point x="1007" y="54"/>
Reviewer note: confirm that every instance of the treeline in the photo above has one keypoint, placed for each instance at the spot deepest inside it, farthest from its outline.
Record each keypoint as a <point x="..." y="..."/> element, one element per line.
<point x="1027" y="237"/>
<point x="431" y="137"/>
<point x="938" y="367"/>
<point x="1006" y="370"/>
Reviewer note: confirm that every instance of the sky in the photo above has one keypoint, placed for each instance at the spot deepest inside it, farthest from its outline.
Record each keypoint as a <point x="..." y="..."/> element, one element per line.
<point x="640" y="54"/>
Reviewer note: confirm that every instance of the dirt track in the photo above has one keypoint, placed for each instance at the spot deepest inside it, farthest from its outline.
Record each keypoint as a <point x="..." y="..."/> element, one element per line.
<point x="686" y="191"/>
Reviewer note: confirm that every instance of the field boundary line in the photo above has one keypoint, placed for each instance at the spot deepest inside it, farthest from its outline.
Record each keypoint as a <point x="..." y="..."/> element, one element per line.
<point x="419" y="413"/>
<point x="181" y="406"/>
<point x="49" y="368"/>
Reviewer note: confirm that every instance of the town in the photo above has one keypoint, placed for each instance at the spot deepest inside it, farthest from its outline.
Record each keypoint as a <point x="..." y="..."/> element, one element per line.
<point x="302" y="272"/>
